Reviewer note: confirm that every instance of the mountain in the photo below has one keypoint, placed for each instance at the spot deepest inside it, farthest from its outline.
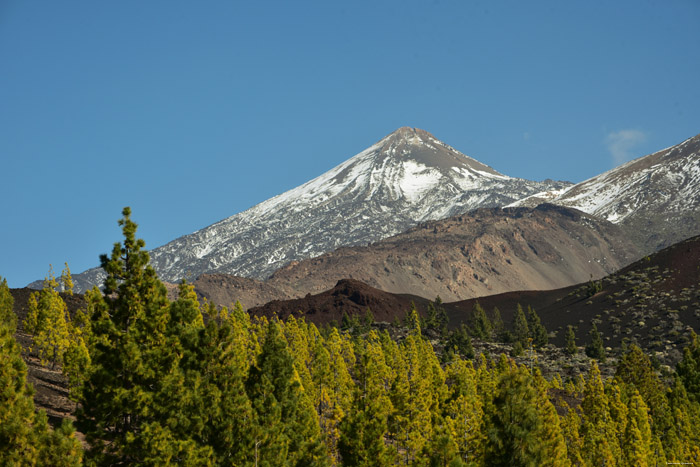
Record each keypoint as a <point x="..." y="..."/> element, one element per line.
<point x="656" y="197"/>
<point x="482" y="252"/>
<point x="406" y="178"/>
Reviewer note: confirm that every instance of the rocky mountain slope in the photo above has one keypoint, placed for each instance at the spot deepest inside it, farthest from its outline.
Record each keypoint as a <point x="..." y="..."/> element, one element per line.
<point x="406" y="178"/>
<point x="656" y="197"/>
<point x="654" y="302"/>
<point x="483" y="252"/>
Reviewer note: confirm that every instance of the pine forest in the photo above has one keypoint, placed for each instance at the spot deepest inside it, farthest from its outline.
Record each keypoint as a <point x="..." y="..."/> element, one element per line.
<point x="179" y="382"/>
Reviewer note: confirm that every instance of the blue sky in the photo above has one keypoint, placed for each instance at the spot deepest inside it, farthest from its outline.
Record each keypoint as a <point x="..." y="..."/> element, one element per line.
<point x="190" y="112"/>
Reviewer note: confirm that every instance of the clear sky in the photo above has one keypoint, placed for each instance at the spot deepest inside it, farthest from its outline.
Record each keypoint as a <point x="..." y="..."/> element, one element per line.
<point x="190" y="112"/>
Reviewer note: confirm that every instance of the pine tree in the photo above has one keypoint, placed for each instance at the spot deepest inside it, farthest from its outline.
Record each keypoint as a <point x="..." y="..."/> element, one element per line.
<point x="498" y="326"/>
<point x="7" y="315"/>
<point x="685" y="431"/>
<point x="48" y="322"/>
<point x="364" y="427"/>
<point x="296" y="334"/>
<point x="570" y="425"/>
<point x="361" y="437"/>
<point x="367" y="320"/>
<point x="460" y="342"/>
<point x="517" y="349"/>
<point x="637" y="440"/>
<point x="183" y="410"/>
<point x="290" y="433"/>
<point x="523" y="427"/>
<point x="76" y="360"/>
<point x="440" y="450"/>
<point x="18" y="442"/>
<point x="334" y="388"/>
<point x="442" y="318"/>
<point x="415" y="395"/>
<point x="413" y="319"/>
<point x="521" y="331"/>
<point x="594" y="348"/>
<point x="570" y="347"/>
<point x="25" y="437"/>
<point x="480" y="326"/>
<point x="66" y="280"/>
<point x="619" y="416"/>
<point x="132" y="362"/>
<point x="431" y="317"/>
<point x="538" y="333"/>
<point x="600" y="437"/>
<point x="634" y="368"/>
<point x="688" y="368"/>
<point x="464" y="410"/>
<point x="228" y="424"/>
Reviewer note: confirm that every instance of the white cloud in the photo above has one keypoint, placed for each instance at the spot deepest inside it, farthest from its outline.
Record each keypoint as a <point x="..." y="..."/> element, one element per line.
<point x="621" y="143"/>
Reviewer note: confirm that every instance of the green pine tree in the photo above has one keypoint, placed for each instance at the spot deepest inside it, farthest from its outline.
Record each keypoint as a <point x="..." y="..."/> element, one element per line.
<point x="48" y="322"/>
<point x="637" y="439"/>
<point x="228" y="427"/>
<point x="363" y="429"/>
<point x="362" y="433"/>
<point x="289" y="428"/>
<point x="25" y="437"/>
<point x="133" y="361"/>
<point x="460" y="342"/>
<point x="66" y="280"/>
<point x="598" y="430"/>
<point x="522" y="425"/>
<point x="463" y="410"/>
<point x="685" y="431"/>
<point x="441" y="449"/>
<point x="595" y="348"/>
<point x="498" y="326"/>
<point x="413" y="320"/>
<point x="570" y="346"/>
<point x="538" y="333"/>
<point x="688" y="368"/>
<point x="521" y="331"/>
<point x="635" y="369"/>
<point x="480" y="325"/>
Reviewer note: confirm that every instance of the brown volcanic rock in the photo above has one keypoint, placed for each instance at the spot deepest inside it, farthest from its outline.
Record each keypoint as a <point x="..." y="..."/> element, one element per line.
<point x="483" y="252"/>
<point x="225" y="289"/>
<point x="348" y="296"/>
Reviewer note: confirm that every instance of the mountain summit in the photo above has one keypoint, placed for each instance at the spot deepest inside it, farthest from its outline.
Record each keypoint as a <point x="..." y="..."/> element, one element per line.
<point x="406" y="178"/>
<point x="423" y="148"/>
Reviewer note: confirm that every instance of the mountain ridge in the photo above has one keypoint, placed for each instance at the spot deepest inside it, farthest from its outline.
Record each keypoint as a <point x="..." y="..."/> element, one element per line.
<point x="655" y="197"/>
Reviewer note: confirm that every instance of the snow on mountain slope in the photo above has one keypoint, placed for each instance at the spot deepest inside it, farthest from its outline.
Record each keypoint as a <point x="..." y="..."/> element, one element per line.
<point x="656" y="196"/>
<point x="406" y="178"/>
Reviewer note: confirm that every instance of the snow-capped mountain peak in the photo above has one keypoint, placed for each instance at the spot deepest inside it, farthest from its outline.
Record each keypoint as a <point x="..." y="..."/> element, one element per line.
<point x="656" y="196"/>
<point x="405" y="178"/>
